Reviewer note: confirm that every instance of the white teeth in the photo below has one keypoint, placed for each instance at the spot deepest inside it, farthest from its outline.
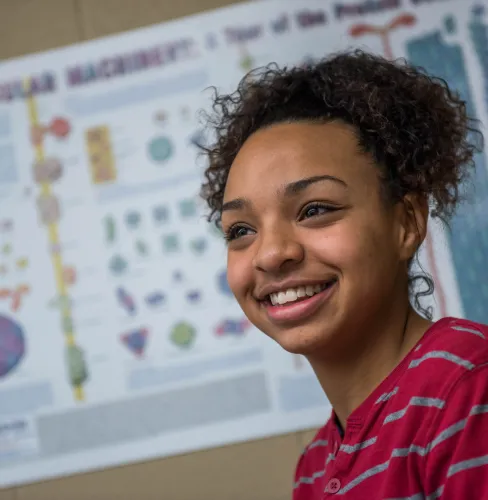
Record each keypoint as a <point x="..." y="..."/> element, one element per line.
<point x="293" y="294"/>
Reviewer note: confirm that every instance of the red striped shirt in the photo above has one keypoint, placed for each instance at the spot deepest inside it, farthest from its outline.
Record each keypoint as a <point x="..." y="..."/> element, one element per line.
<point x="421" y="435"/>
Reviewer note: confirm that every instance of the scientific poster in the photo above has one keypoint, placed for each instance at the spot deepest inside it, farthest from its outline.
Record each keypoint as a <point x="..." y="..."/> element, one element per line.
<point x="119" y="338"/>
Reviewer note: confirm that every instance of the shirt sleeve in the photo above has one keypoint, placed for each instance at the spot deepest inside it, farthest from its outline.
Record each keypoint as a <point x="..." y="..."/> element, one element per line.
<point x="457" y="454"/>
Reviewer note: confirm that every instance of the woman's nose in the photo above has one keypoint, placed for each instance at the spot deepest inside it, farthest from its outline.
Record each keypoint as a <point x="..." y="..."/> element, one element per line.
<point x="277" y="250"/>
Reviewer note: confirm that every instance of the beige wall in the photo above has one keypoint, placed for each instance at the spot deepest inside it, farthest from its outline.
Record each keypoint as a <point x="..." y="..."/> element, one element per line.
<point x="260" y="470"/>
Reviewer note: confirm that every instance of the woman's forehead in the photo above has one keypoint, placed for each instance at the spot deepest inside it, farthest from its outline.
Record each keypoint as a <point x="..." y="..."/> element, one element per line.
<point x="287" y="153"/>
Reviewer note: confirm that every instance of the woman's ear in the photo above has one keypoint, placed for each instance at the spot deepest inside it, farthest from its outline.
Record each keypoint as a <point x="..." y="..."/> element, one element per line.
<point x="415" y="216"/>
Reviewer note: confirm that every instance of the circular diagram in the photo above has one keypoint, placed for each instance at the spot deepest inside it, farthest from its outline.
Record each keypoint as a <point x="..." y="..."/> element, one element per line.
<point x="160" y="149"/>
<point x="12" y="345"/>
<point x="183" y="335"/>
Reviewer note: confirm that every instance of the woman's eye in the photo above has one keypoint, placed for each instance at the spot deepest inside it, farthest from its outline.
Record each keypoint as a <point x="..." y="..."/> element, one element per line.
<point x="237" y="232"/>
<point x="315" y="210"/>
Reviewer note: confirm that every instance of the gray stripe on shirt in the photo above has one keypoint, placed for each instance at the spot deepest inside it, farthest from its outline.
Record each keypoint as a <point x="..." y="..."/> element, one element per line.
<point x="448" y="356"/>
<point x="386" y="396"/>
<point x="309" y="479"/>
<point x="468" y="330"/>
<point x="377" y="469"/>
<point x="348" y="448"/>
<point x="415" y="401"/>
<point x="472" y="463"/>
<point x="420" y="496"/>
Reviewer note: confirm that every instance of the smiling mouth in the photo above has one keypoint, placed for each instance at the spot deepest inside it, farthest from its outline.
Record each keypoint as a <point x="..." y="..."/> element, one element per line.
<point x="289" y="307"/>
<point x="296" y="295"/>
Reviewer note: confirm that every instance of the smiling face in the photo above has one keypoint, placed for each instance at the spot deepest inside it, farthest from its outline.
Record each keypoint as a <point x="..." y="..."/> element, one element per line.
<point x="315" y="253"/>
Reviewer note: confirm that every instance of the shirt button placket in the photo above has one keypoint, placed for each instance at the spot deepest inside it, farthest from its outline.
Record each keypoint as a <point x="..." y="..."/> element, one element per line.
<point x="334" y="484"/>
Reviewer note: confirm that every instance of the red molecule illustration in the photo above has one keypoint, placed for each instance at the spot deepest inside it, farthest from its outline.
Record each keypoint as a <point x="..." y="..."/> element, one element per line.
<point x="60" y="127"/>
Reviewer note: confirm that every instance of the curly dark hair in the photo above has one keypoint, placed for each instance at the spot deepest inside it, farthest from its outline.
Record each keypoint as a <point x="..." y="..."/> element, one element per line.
<point x="415" y="127"/>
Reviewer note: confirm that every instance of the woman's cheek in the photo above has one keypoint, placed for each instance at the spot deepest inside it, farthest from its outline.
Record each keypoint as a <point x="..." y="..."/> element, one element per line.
<point x="338" y="247"/>
<point x="239" y="275"/>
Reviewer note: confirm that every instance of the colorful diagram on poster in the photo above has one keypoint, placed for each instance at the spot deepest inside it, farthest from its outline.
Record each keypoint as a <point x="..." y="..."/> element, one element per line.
<point x="59" y="127"/>
<point x="246" y="60"/>
<point x="14" y="295"/>
<point x="135" y="341"/>
<point x="133" y="219"/>
<point x="161" y="117"/>
<point x="194" y="296"/>
<point x="171" y="243"/>
<point x="70" y="275"/>
<point x="110" y="227"/>
<point x="100" y="155"/>
<point x="187" y="208"/>
<point x="126" y="301"/>
<point x="118" y="265"/>
<point x="383" y="32"/>
<point x="47" y="170"/>
<point x="77" y="368"/>
<point x="183" y="335"/>
<point x="12" y="345"/>
<point x="12" y="261"/>
<point x="155" y="299"/>
<point x="160" y="149"/>
<point x="198" y="245"/>
<point x="142" y="248"/>
<point x="160" y="214"/>
<point x="232" y="327"/>
<point x="49" y="215"/>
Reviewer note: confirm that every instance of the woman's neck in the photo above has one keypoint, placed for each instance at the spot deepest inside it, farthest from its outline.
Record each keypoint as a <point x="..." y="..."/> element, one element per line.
<point x="348" y="382"/>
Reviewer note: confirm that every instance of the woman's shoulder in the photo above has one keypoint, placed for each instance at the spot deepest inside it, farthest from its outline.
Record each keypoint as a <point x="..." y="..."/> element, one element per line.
<point x="449" y="350"/>
<point x="456" y="355"/>
<point x="465" y="340"/>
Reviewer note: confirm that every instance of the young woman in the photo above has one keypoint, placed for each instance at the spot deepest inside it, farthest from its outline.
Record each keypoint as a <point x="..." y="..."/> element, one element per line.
<point x="322" y="179"/>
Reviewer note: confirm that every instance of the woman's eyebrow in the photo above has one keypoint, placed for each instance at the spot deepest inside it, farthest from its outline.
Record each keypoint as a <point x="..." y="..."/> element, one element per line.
<point x="297" y="187"/>
<point x="236" y="204"/>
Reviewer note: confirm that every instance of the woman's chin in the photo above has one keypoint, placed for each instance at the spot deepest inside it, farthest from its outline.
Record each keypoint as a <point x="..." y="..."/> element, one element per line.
<point x="298" y="342"/>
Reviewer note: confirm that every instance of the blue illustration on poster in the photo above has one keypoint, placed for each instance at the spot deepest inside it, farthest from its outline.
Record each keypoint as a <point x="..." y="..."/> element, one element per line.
<point x="468" y="234"/>
<point x="12" y="345"/>
<point x="479" y="37"/>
